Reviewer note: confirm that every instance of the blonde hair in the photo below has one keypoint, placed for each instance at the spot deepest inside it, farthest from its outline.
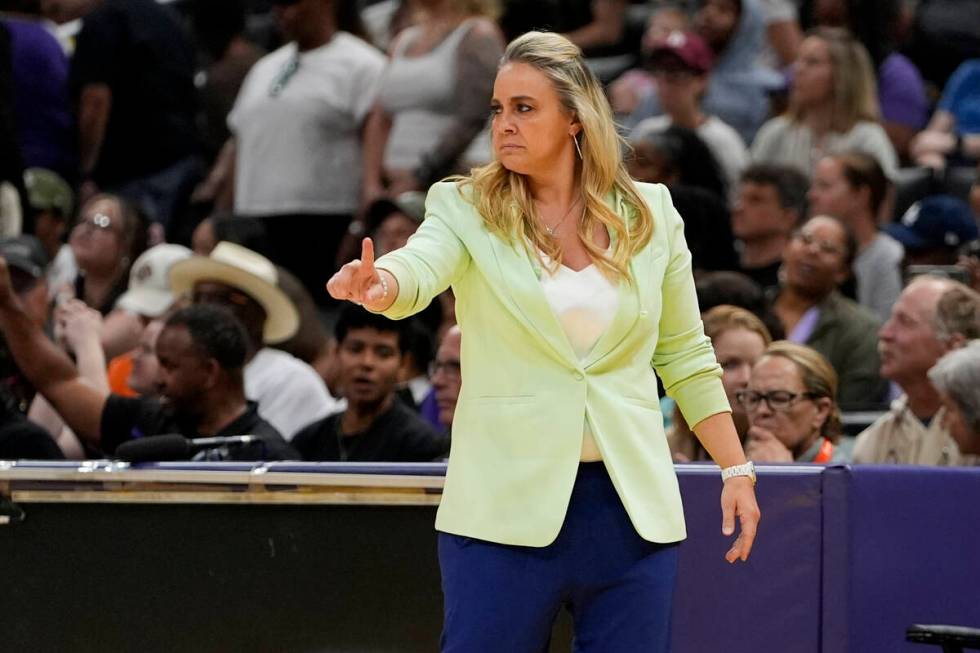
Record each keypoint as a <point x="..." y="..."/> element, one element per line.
<point x="855" y="92"/>
<point x="725" y="317"/>
<point x="818" y="377"/>
<point x="504" y="197"/>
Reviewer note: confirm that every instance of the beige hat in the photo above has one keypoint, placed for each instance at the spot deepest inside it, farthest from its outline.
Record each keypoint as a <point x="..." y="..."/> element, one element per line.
<point x="248" y="271"/>
<point x="149" y="291"/>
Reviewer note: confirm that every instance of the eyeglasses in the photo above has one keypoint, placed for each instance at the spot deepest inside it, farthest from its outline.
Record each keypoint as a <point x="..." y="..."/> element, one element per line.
<point x="98" y="221"/>
<point x="285" y="74"/>
<point x="450" y="368"/>
<point x="825" y="246"/>
<point x="777" y="400"/>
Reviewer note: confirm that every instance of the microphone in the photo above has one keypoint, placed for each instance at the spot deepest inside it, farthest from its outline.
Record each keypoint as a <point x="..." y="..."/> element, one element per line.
<point x="173" y="446"/>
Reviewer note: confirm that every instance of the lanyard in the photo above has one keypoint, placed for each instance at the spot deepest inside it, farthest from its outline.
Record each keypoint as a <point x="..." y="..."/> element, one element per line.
<point x="825" y="453"/>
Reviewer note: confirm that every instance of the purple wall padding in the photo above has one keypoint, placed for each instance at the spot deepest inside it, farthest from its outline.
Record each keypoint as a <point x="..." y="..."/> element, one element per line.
<point x="770" y="603"/>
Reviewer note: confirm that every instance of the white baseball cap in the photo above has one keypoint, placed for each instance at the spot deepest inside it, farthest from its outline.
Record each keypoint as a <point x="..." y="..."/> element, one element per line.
<point x="149" y="291"/>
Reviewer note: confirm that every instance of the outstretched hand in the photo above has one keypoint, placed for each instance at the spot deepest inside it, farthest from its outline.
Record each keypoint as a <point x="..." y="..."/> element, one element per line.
<point x="738" y="500"/>
<point x="358" y="281"/>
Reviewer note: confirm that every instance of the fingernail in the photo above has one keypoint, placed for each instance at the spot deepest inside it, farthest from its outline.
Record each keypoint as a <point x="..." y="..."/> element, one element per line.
<point x="727" y="530"/>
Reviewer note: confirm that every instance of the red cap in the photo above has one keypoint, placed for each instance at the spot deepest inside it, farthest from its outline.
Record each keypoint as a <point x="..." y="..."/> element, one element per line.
<point x="690" y="48"/>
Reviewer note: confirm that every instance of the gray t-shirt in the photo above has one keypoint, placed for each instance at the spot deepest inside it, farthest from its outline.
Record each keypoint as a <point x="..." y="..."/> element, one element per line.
<point x="783" y="142"/>
<point x="297" y="123"/>
<point x="878" y="271"/>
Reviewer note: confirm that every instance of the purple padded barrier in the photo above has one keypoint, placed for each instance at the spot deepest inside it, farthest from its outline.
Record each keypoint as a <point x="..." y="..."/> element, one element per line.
<point x="902" y="546"/>
<point x="771" y="603"/>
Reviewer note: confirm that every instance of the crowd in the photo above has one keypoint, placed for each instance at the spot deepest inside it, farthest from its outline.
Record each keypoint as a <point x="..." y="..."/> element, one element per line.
<point x="179" y="180"/>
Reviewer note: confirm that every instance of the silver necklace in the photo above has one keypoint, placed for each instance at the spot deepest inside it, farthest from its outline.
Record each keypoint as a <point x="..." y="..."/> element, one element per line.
<point x="551" y="230"/>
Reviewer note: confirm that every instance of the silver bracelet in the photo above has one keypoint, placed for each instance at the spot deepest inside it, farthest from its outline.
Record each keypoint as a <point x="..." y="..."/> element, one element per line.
<point x="384" y="285"/>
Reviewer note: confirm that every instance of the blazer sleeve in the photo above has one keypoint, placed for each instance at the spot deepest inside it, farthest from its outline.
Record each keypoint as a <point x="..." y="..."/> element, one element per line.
<point x="434" y="257"/>
<point x="684" y="358"/>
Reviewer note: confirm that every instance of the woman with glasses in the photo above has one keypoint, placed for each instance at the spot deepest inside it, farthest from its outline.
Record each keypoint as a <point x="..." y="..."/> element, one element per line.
<point x="295" y="156"/>
<point x="816" y="262"/>
<point x="791" y="406"/>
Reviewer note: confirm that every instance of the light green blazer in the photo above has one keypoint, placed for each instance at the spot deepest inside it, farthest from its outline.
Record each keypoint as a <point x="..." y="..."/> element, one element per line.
<point x="518" y="426"/>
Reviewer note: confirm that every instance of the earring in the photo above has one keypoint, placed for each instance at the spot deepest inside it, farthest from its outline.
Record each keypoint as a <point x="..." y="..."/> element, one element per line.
<point x="577" y="148"/>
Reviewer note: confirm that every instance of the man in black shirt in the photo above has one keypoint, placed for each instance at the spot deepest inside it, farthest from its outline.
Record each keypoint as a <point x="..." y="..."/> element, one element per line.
<point x="201" y="352"/>
<point x="376" y="426"/>
<point x="769" y="206"/>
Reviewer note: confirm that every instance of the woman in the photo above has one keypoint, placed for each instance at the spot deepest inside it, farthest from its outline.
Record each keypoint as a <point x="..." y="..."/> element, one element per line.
<point x="853" y="187"/>
<point x="569" y="278"/>
<point x="816" y="262"/>
<point x="790" y="401"/>
<point x="108" y="236"/>
<point x="956" y="377"/>
<point x="901" y="91"/>
<point x="739" y="338"/>
<point x="295" y="155"/>
<point x="832" y="107"/>
<point x="432" y="104"/>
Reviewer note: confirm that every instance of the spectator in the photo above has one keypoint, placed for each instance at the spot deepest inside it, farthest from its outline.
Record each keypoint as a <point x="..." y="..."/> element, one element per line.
<point x="431" y="114"/>
<point x="26" y="262"/>
<point x="676" y="156"/>
<point x="302" y="107"/>
<point x="376" y="426"/>
<point x="201" y="352"/>
<point x="782" y="30"/>
<point x="289" y="393"/>
<point x="247" y="232"/>
<point x="599" y="27"/>
<point x="931" y="317"/>
<point x="739" y="85"/>
<point x="792" y="408"/>
<point x="149" y="297"/>
<point x="833" y="107"/>
<point x="932" y="230"/>
<point x="739" y="338"/>
<point x="51" y="202"/>
<point x="22" y="439"/>
<point x="956" y="376"/>
<point x="681" y="65"/>
<point x="390" y="222"/>
<point x="132" y="81"/>
<point x="768" y="206"/>
<point x="901" y="91"/>
<point x="852" y="187"/>
<point x="736" y="289"/>
<point x="953" y="133"/>
<point x="219" y="29"/>
<point x="45" y="125"/>
<point x="626" y="92"/>
<point x="107" y="237"/>
<point x="145" y="368"/>
<point x="447" y="378"/>
<point x="816" y="262"/>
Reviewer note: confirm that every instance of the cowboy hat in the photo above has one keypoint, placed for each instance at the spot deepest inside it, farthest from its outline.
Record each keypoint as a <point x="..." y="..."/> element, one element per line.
<point x="253" y="274"/>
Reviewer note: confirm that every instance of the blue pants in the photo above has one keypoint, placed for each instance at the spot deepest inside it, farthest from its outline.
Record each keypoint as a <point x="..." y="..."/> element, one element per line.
<point x="618" y="587"/>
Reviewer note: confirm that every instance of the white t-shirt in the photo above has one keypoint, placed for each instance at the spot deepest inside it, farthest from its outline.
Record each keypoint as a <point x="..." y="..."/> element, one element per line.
<point x="584" y="303"/>
<point x="290" y="394"/>
<point x="723" y="141"/>
<point x="297" y="123"/>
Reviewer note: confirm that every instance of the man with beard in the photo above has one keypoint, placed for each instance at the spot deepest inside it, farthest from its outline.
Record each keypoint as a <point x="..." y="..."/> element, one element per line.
<point x="376" y="426"/>
<point x="201" y="351"/>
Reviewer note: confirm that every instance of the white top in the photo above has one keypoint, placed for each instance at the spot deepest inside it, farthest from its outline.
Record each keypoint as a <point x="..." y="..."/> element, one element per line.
<point x="723" y="141"/>
<point x="783" y="142"/>
<point x="299" y="151"/>
<point x="290" y="394"/>
<point x="584" y="303"/>
<point x="420" y="95"/>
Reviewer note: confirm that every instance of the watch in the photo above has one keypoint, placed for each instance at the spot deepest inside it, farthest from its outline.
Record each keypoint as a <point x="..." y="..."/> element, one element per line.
<point x="747" y="469"/>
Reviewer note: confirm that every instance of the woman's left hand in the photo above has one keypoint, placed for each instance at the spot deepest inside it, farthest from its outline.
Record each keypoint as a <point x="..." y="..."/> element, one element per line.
<point x="738" y="500"/>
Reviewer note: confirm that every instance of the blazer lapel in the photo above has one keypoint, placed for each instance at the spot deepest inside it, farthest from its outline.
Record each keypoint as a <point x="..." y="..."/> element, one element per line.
<point x="520" y="274"/>
<point x="626" y="316"/>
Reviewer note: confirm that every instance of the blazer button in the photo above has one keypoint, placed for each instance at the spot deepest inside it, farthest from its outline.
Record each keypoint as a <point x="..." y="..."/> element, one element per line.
<point x="579" y="376"/>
